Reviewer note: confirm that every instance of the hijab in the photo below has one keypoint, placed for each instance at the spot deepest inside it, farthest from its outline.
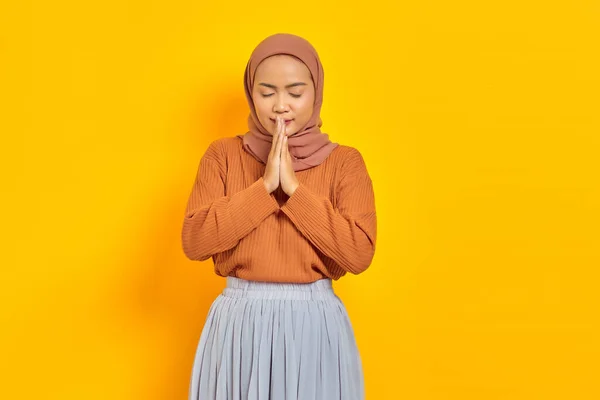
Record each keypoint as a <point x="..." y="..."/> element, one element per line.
<point x="308" y="147"/>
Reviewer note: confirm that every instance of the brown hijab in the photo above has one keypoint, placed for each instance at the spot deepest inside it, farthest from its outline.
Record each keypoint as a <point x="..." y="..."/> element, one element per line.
<point x="308" y="147"/>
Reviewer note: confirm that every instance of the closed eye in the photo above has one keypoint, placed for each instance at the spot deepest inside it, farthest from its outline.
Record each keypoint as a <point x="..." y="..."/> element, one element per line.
<point x="291" y="94"/>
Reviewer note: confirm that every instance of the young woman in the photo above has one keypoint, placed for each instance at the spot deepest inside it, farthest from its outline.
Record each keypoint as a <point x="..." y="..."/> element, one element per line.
<point x="283" y="212"/>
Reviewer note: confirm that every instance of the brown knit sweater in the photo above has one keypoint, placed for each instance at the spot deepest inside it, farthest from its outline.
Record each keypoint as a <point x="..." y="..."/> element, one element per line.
<point x="326" y="228"/>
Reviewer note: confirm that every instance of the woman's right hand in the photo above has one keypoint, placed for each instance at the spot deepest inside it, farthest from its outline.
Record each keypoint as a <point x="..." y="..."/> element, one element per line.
<point x="271" y="175"/>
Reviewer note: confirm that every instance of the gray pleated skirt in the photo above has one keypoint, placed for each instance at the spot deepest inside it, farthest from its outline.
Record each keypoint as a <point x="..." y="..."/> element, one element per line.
<point x="277" y="341"/>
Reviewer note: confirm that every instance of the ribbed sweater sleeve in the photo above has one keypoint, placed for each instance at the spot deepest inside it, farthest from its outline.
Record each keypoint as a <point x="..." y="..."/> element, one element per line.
<point x="345" y="233"/>
<point x="214" y="222"/>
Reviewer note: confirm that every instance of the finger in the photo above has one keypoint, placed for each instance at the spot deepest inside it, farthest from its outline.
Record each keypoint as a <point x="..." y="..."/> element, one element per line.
<point x="285" y="145"/>
<point x="275" y="138"/>
<point x="287" y="148"/>
<point x="281" y="126"/>
<point x="278" y="125"/>
<point x="280" y="131"/>
<point x="280" y="142"/>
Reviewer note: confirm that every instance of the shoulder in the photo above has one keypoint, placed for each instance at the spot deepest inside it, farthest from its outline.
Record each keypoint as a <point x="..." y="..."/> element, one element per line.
<point x="350" y="164"/>
<point x="345" y="151"/>
<point x="219" y="148"/>
<point x="348" y="156"/>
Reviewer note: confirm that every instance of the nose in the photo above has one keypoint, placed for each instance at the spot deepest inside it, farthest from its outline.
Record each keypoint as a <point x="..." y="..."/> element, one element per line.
<point x="280" y="106"/>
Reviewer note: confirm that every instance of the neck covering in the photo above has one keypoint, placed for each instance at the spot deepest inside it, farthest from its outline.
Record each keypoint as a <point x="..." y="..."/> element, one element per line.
<point x="308" y="147"/>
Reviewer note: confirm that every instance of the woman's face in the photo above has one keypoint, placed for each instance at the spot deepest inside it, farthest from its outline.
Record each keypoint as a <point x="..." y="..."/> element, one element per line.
<point x="283" y="87"/>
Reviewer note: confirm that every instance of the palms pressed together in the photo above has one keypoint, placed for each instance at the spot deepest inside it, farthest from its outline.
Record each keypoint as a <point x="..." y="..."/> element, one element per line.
<point x="279" y="169"/>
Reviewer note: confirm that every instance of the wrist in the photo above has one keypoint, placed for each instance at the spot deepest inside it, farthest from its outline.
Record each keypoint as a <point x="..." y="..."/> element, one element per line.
<point x="268" y="189"/>
<point x="293" y="189"/>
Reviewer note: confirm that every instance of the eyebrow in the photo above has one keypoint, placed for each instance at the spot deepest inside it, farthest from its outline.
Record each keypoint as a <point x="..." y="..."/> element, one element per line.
<point x="287" y="86"/>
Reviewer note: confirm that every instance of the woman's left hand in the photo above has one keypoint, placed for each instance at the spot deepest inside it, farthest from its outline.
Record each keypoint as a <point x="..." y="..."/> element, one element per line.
<point x="287" y="176"/>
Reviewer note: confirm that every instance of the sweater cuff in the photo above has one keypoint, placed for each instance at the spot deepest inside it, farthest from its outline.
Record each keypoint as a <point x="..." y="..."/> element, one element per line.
<point x="251" y="206"/>
<point x="302" y="205"/>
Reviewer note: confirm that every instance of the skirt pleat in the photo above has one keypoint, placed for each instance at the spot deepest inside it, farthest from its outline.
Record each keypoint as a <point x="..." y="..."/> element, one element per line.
<point x="277" y="341"/>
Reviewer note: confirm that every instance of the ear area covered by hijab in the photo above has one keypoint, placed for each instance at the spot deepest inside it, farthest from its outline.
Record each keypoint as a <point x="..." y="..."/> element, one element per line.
<point x="309" y="147"/>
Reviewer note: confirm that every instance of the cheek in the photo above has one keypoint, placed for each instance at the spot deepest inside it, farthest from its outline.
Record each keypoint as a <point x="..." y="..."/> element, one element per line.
<point x="305" y="107"/>
<point x="261" y="107"/>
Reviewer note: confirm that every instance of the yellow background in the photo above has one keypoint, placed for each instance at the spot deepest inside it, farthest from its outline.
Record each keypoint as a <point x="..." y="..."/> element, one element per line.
<point x="479" y="122"/>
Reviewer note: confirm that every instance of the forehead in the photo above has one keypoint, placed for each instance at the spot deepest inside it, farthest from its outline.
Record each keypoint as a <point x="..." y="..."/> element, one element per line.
<point x="282" y="67"/>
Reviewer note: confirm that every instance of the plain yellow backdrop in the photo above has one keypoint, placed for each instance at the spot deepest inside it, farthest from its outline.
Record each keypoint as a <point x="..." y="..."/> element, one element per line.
<point x="479" y="123"/>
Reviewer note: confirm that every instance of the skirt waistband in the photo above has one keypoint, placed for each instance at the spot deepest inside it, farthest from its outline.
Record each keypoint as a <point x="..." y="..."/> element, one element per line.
<point x="237" y="287"/>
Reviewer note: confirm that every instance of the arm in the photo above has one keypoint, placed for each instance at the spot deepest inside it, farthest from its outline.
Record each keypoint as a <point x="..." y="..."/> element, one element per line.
<point x="214" y="222"/>
<point x="347" y="233"/>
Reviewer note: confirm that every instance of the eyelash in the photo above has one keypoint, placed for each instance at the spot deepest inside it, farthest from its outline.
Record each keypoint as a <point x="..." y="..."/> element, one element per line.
<point x="291" y="94"/>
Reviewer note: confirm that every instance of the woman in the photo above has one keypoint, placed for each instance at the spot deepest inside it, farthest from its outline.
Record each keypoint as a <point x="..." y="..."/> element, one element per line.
<point x="283" y="212"/>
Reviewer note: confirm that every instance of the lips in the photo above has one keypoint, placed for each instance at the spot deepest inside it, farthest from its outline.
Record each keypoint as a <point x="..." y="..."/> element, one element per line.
<point x="286" y="121"/>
